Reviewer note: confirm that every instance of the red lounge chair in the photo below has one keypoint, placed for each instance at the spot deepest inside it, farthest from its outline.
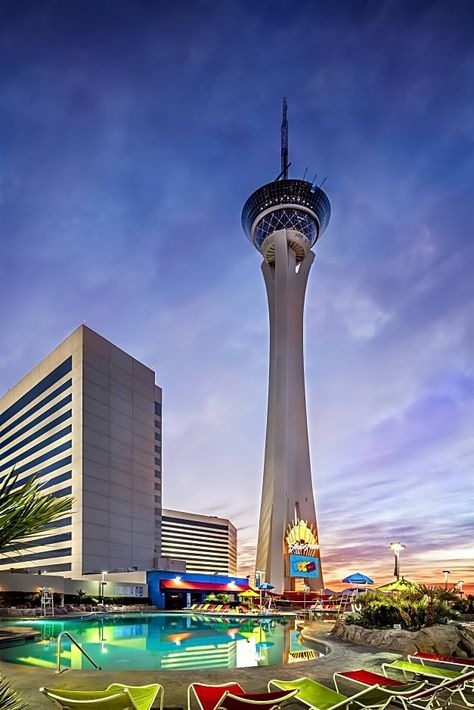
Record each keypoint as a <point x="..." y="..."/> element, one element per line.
<point x="410" y="695"/>
<point x="231" y="696"/>
<point x="208" y="696"/>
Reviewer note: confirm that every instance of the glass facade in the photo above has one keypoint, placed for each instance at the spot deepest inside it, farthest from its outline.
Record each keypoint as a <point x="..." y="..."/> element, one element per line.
<point x="291" y="193"/>
<point x="35" y="433"/>
<point x="288" y="218"/>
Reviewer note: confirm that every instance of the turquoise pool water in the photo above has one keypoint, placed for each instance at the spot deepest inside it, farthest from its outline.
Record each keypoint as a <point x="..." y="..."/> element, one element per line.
<point x="162" y="642"/>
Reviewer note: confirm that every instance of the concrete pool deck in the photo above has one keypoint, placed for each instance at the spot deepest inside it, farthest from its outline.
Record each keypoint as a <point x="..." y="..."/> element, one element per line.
<point x="342" y="656"/>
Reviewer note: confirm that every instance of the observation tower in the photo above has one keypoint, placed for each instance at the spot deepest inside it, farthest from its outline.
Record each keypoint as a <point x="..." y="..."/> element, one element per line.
<point x="283" y="220"/>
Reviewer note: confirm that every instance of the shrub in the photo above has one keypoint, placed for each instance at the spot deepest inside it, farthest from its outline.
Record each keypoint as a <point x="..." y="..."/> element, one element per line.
<point x="412" y="610"/>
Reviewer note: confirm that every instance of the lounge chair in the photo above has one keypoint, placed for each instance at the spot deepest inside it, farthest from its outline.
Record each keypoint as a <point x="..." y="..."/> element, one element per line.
<point x="410" y="695"/>
<point x="231" y="696"/>
<point x="453" y="662"/>
<point x="115" y="697"/>
<point x="319" y="697"/>
<point x="432" y="672"/>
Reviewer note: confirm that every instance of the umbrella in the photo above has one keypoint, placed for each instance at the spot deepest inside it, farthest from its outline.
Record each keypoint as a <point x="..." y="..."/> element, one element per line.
<point x="399" y="585"/>
<point x="358" y="578"/>
<point x="249" y="594"/>
<point x="264" y="587"/>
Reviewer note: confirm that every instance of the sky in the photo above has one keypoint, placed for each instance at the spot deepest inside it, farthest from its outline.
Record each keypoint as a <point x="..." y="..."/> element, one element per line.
<point x="131" y="134"/>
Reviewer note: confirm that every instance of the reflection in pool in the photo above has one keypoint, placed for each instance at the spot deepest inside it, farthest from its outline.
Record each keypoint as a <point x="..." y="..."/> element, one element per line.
<point x="163" y="641"/>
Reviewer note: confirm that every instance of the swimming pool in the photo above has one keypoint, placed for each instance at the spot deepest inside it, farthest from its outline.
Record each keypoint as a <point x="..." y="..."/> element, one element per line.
<point x="163" y="642"/>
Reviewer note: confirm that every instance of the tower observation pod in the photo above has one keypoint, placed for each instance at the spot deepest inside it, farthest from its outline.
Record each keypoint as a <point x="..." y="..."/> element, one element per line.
<point x="283" y="220"/>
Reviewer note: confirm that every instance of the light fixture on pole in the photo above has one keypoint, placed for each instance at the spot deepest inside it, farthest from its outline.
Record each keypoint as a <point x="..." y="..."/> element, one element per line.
<point x="446" y="573"/>
<point x="102" y="586"/>
<point x="306" y="588"/>
<point x="459" y="585"/>
<point x="397" y="547"/>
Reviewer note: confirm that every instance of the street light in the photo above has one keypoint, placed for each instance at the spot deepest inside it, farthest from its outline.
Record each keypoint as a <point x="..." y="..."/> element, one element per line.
<point x="459" y="587"/>
<point x="446" y="573"/>
<point x="397" y="547"/>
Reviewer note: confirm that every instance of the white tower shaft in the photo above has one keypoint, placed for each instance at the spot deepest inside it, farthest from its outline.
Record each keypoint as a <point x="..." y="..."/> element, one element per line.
<point x="287" y="485"/>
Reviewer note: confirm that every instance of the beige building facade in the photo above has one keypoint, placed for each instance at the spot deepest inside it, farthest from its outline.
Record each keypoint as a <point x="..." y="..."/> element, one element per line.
<point x="87" y="422"/>
<point x="206" y="543"/>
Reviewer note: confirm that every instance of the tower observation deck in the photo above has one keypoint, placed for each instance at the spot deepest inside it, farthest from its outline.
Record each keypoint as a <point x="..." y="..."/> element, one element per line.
<point x="283" y="220"/>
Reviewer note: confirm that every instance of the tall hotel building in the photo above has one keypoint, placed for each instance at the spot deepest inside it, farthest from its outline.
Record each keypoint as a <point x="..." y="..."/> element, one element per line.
<point x="87" y="422"/>
<point x="206" y="543"/>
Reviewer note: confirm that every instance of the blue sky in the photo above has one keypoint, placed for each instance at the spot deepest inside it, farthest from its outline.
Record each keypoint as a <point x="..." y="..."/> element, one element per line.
<point x="132" y="133"/>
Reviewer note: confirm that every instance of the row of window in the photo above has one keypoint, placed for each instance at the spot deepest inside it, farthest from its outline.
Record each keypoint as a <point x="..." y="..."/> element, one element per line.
<point x="37" y="447"/>
<point x="47" y="413"/>
<point x="194" y="523"/>
<point x="44" y="457"/>
<point x="193" y="540"/>
<point x="46" y="555"/>
<point x="51" y="540"/>
<point x="44" y="471"/>
<point x="37" y="390"/>
<point x="36" y="434"/>
<point x="192" y="548"/>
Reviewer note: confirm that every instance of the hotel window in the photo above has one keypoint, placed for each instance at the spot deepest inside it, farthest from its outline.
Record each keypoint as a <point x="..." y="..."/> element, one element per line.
<point x="158" y="409"/>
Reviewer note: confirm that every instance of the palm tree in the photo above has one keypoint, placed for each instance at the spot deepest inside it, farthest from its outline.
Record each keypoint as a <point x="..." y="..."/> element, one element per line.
<point x="24" y="511"/>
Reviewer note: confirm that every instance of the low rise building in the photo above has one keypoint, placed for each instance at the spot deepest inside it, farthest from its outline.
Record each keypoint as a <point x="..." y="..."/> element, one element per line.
<point x="206" y="543"/>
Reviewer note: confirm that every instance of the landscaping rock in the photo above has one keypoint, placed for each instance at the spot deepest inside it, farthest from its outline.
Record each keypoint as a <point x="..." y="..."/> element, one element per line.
<point x="445" y="640"/>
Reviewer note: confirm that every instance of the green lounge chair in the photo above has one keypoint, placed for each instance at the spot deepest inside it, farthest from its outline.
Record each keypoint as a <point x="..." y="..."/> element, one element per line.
<point x="115" y="697"/>
<point x="320" y="697"/>
<point x="425" y="670"/>
<point x="411" y="695"/>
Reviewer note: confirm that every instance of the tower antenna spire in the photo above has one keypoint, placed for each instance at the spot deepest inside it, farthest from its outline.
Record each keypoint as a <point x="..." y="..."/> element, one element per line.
<point x="284" y="141"/>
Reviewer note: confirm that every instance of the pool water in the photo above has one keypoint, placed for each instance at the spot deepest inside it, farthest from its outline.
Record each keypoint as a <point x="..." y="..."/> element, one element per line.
<point x="162" y="642"/>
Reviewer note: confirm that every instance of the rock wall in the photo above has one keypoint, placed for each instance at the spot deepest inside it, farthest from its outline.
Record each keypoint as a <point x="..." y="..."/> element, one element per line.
<point x="446" y="640"/>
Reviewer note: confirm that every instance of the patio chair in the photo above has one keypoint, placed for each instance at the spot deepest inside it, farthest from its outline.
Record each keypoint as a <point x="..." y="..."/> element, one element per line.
<point x="431" y="659"/>
<point x="231" y="696"/>
<point x="431" y="672"/>
<point x="319" y="697"/>
<point x="410" y="695"/>
<point x="115" y="697"/>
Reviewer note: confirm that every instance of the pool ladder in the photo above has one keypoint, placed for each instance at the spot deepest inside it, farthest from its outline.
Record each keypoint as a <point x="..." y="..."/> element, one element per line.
<point x="78" y="645"/>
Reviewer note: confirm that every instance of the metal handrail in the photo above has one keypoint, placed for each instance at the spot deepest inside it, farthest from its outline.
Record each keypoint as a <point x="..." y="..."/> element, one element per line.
<point x="78" y="645"/>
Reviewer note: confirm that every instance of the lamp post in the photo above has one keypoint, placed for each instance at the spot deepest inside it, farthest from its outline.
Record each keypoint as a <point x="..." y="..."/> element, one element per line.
<point x="306" y="588"/>
<point x="102" y="586"/>
<point x="459" y="587"/>
<point x="397" y="547"/>
<point x="446" y="573"/>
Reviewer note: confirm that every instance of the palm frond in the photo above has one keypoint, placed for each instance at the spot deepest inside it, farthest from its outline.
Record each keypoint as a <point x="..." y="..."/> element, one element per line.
<point x="25" y="509"/>
<point x="9" y="698"/>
